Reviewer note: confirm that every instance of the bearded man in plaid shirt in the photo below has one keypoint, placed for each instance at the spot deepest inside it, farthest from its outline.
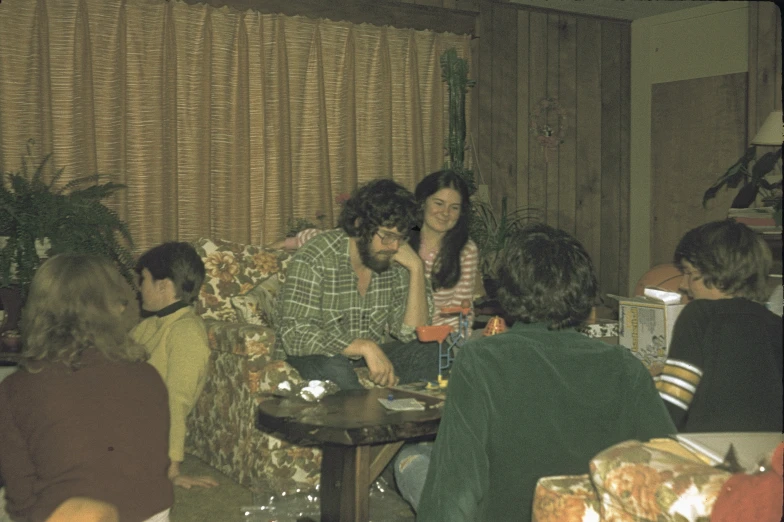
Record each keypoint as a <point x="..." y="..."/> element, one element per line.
<point x="354" y="296"/>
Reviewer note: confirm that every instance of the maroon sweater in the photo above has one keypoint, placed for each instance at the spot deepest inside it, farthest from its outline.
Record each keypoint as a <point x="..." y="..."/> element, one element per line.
<point x="99" y="432"/>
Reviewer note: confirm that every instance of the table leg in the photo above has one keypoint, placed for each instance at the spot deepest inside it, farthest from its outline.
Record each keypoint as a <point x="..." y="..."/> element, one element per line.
<point x="345" y="483"/>
<point x="346" y="475"/>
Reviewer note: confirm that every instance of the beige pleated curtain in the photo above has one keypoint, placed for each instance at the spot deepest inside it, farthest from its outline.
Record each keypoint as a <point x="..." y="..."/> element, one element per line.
<point x="222" y="123"/>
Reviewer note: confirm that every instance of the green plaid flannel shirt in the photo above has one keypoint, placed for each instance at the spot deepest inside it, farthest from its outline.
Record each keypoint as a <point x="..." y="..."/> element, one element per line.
<point x="319" y="310"/>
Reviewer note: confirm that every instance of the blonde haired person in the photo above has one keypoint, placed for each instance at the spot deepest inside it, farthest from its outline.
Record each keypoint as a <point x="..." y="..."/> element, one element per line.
<point x="82" y="509"/>
<point x="85" y="416"/>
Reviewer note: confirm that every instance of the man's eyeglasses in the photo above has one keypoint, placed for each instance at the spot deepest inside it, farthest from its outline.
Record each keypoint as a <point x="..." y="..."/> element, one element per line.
<point x="387" y="238"/>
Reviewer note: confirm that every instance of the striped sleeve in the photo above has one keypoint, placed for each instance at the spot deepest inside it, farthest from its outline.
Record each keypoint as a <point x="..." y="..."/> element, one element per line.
<point x="678" y="382"/>
<point x="469" y="261"/>
<point x="683" y="370"/>
<point x="303" y="236"/>
<point x="462" y="291"/>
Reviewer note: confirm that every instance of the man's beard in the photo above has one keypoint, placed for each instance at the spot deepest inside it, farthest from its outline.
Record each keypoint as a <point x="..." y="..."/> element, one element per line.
<point x="376" y="264"/>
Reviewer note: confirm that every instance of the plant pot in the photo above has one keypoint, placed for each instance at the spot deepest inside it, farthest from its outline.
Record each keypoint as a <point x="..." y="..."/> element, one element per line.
<point x="11" y="300"/>
<point x="491" y="288"/>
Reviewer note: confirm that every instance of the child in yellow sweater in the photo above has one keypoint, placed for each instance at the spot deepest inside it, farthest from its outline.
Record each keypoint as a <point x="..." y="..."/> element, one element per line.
<point x="170" y="277"/>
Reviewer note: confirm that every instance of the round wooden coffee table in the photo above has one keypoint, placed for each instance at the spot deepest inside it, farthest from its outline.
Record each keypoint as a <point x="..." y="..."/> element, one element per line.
<point x="358" y="437"/>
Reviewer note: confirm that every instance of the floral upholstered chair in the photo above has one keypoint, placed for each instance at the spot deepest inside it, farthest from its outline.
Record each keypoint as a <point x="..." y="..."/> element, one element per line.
<point x="632" y="482"/>
<point x="236" y="303"/>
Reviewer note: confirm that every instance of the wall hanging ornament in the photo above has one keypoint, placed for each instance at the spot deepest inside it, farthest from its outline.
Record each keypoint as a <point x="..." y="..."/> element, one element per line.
<point x="548" y="122"/>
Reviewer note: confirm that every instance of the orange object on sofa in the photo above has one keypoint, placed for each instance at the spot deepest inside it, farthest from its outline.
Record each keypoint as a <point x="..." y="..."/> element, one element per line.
<point x="757" y="497"/>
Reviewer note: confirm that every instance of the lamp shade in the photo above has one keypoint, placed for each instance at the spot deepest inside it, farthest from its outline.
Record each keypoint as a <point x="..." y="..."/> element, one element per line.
<point x="772" y="131"/>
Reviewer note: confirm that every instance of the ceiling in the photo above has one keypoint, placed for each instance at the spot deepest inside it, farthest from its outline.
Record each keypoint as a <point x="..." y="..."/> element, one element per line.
<point x="620" y="9"/>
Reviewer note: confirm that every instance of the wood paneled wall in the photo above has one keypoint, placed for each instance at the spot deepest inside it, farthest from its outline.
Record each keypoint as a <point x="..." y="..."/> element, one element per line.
<point x="582" y="186"/>
<point x="765" y="63"/>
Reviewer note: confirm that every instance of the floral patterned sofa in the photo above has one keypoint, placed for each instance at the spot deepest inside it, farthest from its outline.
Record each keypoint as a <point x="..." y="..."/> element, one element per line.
<point x="235" y="302"/>
<point x="633" y="482"/>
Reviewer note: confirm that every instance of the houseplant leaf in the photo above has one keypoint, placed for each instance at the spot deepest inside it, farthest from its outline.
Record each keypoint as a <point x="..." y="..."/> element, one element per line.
<point x="72" y="217"/>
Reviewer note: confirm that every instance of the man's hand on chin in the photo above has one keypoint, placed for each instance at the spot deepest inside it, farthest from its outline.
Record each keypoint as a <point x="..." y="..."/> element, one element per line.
<point x="406" y="256"/>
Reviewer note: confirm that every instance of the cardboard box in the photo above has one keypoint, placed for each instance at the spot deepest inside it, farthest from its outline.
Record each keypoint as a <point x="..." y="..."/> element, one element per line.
<point x="645" y="327"/>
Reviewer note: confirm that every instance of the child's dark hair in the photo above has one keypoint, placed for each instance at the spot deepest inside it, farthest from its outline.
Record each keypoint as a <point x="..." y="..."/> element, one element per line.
<point x="546" y="276"/>
<point x="730" y="256"/>
<point x="178" y="262"/>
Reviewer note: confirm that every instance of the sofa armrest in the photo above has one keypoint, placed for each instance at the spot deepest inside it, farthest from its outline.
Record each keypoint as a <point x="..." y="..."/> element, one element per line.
<point x="248" y="340"/>
<point x="565" y="498"/>
<point x="642" y="482"/>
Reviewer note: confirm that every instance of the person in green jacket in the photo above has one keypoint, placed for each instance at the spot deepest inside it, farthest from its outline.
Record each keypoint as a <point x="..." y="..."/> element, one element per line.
<point x="170" y="278"/>
<point x="540" y="399"/>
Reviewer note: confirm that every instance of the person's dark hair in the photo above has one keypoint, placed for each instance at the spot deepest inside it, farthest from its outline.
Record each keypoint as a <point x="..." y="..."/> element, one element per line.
<point x="730" y="256"/>
<point x="379" y="203"/>
<point x="178" y="262"/>
<point x="446" y="272"/>
<point x="76" y="302"/>
<point x="546" y="276"/>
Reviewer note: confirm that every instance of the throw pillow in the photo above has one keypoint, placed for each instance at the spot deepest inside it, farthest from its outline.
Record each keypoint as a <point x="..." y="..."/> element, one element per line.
<point x="257" y="305"/>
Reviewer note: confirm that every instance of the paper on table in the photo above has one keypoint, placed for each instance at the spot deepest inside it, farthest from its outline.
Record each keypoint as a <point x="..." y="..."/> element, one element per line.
<point x="407" y="404"/>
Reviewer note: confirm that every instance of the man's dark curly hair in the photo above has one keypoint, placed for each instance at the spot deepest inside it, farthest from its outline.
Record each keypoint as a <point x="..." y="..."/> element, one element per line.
<point x="547" y="277"/>
<point x="730" y="256"/>
<point x="379" y="203"/>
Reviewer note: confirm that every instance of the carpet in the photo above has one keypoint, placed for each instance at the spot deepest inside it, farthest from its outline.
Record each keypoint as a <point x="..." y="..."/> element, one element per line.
<point x="224" y="502"/>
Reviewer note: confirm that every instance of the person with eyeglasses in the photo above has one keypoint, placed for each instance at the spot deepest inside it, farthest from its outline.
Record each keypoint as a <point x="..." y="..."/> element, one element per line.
<point x="451" y="258"/>
<point x="724" y="367"/>
<point x="353" y="296"/>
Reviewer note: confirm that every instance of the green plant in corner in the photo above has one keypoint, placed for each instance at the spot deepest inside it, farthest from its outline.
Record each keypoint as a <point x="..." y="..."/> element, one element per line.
<point x="454" y="72"/>
<point x="752" y="176"/>
<point x="490" y="231"/>
<point x="71" y="218"/>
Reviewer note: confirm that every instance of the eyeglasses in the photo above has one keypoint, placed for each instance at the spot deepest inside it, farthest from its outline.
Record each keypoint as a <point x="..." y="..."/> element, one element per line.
<point x="387" y="238"/>
<point x="692" y="275"/>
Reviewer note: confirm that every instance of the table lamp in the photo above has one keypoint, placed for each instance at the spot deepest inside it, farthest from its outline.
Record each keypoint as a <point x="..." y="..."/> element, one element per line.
<point x="772" y="131"/>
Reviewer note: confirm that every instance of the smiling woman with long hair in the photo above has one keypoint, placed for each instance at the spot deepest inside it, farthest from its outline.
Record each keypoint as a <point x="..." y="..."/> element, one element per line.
<point x="85" y="416"/>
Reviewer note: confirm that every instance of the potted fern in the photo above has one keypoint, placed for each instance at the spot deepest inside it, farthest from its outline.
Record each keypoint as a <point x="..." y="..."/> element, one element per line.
<point x="39" y="219"/>
<point x="490" y="230"/>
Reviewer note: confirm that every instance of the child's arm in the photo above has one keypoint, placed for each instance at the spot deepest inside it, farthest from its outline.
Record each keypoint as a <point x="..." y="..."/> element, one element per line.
<point x="188" y="354"/>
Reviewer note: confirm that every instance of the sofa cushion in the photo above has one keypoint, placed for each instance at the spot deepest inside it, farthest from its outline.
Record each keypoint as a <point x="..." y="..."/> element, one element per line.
<point x="570" y="498"/>
<point x="639" y="482"/>
<point x="233" y="269"/>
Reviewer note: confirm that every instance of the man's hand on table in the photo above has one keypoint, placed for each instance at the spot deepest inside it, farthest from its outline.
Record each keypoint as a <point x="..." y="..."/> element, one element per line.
<point x="380" y="368"/>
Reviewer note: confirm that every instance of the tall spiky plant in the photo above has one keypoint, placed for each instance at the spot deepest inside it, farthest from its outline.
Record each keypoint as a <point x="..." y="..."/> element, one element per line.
<point x="72" y="218"/>
<point x="454" y="72"/>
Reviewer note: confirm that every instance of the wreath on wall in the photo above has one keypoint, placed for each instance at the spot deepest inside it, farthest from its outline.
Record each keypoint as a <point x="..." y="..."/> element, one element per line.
<point x="549" y="136"/>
